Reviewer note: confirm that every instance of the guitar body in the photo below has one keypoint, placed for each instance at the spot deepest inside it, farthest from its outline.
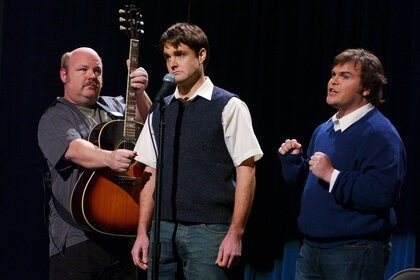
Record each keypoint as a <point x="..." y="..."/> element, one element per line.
<point x="104" y="200"/>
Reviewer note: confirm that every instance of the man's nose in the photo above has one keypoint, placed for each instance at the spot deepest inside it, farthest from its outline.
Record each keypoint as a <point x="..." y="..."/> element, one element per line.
<point x="91" y="74"/>
<point x="173" y="64"/>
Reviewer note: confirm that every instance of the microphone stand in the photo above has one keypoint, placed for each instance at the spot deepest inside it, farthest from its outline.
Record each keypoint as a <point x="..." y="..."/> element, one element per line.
<point x="158" y="183"/>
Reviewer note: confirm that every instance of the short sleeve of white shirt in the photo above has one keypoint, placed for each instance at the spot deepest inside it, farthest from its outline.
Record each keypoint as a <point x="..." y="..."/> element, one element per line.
<point x="240" y="139"/>
<point x="146" y="145"/>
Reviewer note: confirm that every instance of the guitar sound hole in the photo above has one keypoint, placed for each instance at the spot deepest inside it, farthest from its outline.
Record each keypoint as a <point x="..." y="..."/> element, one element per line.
<point x="128" y="145"/>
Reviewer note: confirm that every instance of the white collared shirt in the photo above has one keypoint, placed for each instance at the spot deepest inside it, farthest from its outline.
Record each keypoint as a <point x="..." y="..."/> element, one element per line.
<point x="344" y="123"/>
<point x="240" y="139"/>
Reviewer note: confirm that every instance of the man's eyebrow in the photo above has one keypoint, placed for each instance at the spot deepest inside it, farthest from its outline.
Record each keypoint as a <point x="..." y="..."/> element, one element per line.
<point x="346" y="72"/>
<point x="342" y="72"/>
<point x="82" y="65"/>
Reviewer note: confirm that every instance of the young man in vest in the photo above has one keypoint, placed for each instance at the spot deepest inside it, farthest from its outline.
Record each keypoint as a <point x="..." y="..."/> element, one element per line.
<point x="352" y="177"/>
<point x="208" y="178"/>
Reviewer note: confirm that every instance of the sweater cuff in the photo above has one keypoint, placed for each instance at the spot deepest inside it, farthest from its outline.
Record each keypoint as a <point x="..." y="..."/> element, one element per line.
<point x="290" y="158"/>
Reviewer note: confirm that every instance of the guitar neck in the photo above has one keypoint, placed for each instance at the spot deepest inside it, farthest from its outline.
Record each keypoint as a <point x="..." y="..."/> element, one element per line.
<point x="131" y="101"/>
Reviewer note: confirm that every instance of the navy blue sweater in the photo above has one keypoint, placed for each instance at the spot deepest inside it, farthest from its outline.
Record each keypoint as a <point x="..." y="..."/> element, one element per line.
<point x="372" y="163"/>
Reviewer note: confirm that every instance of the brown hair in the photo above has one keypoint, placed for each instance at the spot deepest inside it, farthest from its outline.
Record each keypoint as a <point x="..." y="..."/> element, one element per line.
<point x="65" y="61"/>
<point x="188" y="34"/>
<point x="371" y="74"/>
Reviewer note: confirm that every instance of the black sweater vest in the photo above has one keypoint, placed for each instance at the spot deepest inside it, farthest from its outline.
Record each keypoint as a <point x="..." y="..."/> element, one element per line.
<point x="198" y="172"/>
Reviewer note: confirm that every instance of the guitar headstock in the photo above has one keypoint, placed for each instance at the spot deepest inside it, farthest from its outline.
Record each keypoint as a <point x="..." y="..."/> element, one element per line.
<point x="131" y="21"/>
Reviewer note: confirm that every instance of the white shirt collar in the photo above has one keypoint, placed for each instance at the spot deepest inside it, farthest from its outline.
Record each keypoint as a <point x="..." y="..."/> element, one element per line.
<point x="205" y="91"/>
<point x="346" y="121"/>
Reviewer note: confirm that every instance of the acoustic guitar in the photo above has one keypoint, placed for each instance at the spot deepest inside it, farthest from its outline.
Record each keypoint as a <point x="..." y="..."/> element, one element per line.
<point x="106" y="201"/>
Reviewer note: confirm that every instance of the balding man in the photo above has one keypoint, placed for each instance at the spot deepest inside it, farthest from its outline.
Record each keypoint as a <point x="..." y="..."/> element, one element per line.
<point x="62" y="135"/>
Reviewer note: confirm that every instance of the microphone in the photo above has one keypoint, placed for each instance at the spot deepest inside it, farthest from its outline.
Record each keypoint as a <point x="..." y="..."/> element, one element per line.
<point x="168" y="81"/>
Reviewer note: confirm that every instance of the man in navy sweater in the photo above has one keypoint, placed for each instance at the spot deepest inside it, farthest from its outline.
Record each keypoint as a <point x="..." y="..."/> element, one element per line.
<point x="352" y="177"/>
<point x="208" y="176"/>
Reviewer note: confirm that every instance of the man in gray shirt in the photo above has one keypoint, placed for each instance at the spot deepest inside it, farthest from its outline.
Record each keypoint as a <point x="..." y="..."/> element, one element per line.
<point x="62" y="135"/>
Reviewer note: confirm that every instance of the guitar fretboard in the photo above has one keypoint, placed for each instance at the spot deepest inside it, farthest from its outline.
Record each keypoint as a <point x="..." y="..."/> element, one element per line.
<point x="130" y="109"/>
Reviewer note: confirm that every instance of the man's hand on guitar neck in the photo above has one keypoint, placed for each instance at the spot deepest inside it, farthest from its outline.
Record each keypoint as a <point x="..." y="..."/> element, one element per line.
<point x="139" y="80"/>
<point x="89" y="156"/>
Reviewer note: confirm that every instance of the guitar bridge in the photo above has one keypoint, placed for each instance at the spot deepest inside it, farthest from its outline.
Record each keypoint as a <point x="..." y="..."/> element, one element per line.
<point x="127" y="180"/>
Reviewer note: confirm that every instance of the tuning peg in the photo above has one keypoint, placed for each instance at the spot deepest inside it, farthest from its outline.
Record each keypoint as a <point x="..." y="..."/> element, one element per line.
<point x="121" y="19"/>
<point x="123" y="28"/>
<point x="121" y="11"/>
<point x="140" y="31"/>
<point x="141" y="22"/>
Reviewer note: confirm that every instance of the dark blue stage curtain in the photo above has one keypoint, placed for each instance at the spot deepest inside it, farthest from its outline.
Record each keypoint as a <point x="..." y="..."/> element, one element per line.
<point x="276" y="55"/>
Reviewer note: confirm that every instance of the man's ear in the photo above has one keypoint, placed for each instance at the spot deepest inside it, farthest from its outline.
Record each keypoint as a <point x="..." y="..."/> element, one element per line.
<point x="63" y="75"/>
<point x="366" y="92"/>
<point x="202" y="54"/>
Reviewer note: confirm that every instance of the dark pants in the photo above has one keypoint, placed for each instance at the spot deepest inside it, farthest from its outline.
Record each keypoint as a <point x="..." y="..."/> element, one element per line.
<point x="189" y="251"/>
<point x="90" y="261"/>
<point x="362" y="260"/>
